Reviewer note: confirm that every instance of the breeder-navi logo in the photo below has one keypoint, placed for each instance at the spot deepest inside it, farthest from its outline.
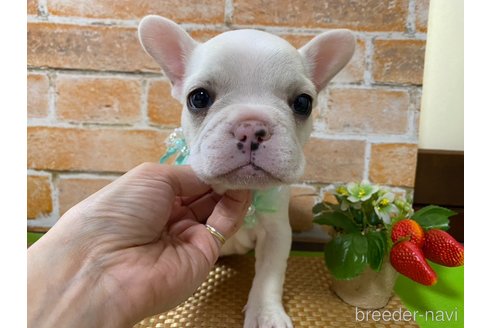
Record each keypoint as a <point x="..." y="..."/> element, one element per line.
<point x="405" y="315"/>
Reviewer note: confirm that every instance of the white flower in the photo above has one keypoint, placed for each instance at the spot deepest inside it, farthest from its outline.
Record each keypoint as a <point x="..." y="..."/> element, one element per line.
<point x="360" y="192"/>
<point x="384" y="207"/>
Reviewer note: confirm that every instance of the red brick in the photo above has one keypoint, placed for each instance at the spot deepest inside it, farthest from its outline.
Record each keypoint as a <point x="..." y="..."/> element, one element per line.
<point x="373" y="111"/>
<point x="203" y="35"/>
<point x="163" y="109"/>
<point x="77" y="149"/>
<point x="37" y="95"/>
<point x="334" y="160"/>
<point x="296" y="40"/>
<point x="399" y="61"/>
<point x="363" y="15"/>
<point x="393" y="164"/>
<point x="189" y="11"/>
<point x="73" y="190"/>
<point x="421" y="15"/>
<point x="416" y="120"/>
<point x="32" y="7"/>
<point x="352" y="73"/>
<point x="86" y="47"/>
<point x="97" y="99"/>
<point x="38" y="196"/>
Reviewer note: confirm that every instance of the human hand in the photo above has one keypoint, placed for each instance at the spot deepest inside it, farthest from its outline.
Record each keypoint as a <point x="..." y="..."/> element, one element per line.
<point x="133" y="249"/>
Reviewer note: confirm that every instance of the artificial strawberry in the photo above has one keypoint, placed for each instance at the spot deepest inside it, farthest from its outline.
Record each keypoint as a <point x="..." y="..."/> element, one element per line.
<point x="441" y="248"/>
<point x="407" y="258"/>
<point x="408" y="229"/>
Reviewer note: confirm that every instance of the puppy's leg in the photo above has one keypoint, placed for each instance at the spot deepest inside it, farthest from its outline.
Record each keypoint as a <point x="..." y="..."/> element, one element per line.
<point x="240" y="243"/>
<point x="264" y="308"/>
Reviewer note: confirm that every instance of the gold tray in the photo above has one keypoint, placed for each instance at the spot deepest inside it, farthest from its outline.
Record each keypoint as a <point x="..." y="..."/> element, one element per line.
<point x="307" y="299"/>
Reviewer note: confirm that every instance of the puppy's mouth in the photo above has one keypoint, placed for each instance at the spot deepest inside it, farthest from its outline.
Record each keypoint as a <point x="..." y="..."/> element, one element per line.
<point x="250" y="175"/>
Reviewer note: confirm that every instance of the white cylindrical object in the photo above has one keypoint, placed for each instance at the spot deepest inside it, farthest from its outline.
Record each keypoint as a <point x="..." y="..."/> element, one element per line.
<point x="442" y="115"/>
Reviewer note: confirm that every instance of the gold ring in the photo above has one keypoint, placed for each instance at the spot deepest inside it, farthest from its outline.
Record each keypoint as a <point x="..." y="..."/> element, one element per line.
<point x="216" y="234"/>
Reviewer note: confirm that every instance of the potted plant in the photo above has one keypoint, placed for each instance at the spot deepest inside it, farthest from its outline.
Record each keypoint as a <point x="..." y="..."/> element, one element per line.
<point x="377" y="234"/>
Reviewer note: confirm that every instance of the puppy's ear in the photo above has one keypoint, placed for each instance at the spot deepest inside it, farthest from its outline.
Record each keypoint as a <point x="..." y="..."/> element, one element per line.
<point x="169" y="45"/>
<point x="327" y="53"/>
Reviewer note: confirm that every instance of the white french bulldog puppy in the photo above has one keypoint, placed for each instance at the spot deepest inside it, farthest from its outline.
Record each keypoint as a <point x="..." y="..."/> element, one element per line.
<point x="247" y="98"/>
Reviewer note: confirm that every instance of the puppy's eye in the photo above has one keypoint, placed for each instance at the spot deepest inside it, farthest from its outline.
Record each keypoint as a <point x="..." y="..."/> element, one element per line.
<point x="302" y="105"/>
<point x="199" y="99"/>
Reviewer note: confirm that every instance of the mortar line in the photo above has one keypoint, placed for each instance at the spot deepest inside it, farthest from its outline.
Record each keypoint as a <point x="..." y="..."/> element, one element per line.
<point x="160" y="76"/>
<point x="88" y="175"/>
<point x="368" y="63"/>
<point x="228" y="12"/>
<point x="416" y="111"/>
<point x="43" y="122"/>
<point x="302" y="184"/>
<point x="55" y="195"/>
<point x="41" y="173"/>
<point x="372" y="138"/>
<point x="410" y="112"/>
<point x="112" y="22"/>
<point x="52" y="97"/>
<point x="411" y="123"/>
<point x="367" y="160"/>
<point x="281" y="30"/>
<point x="322" y="105"/>
<point x="42" y="9"/>
<point x="43" y="221"/>
<point x="96" y="73"/>
<point x="411" y="18"/>
<point x="77" y="173"/>
<point x="373" y="86"/>
<point x="144" y="96"/>
<point x="83" y="21"/>
<point x="329" y="187"/>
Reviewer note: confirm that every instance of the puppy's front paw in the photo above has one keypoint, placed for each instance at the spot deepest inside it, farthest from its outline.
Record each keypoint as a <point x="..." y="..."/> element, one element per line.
<point x="267" y="317"/>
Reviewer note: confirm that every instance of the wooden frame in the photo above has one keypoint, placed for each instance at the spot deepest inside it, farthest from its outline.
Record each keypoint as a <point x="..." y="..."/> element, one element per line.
<point x="440" y="181"/>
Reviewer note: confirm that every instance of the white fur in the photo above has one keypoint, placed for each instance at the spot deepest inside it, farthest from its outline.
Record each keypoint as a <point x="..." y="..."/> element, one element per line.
<point x="254" y="76"/>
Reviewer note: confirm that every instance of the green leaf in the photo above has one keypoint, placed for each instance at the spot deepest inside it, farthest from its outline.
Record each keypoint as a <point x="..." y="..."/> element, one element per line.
<point x="433" y="217"/>
<point x="377" y="247"/>
<point x="339" y="198"/>
<point x="33" y="237"/>
<point x="346" y="255"/>
<point x="358" y="216"/>
<point x="336" y="219"/>
<point x="374" y="219"/>
<point x="319" y="207"/>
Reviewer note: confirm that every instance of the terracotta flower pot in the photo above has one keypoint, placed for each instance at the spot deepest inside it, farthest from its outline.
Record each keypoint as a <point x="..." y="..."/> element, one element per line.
<point x="370" y="290"/>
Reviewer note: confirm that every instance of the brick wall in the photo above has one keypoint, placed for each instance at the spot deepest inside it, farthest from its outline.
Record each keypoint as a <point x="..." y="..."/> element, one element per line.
<point x="98" y="105"/>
